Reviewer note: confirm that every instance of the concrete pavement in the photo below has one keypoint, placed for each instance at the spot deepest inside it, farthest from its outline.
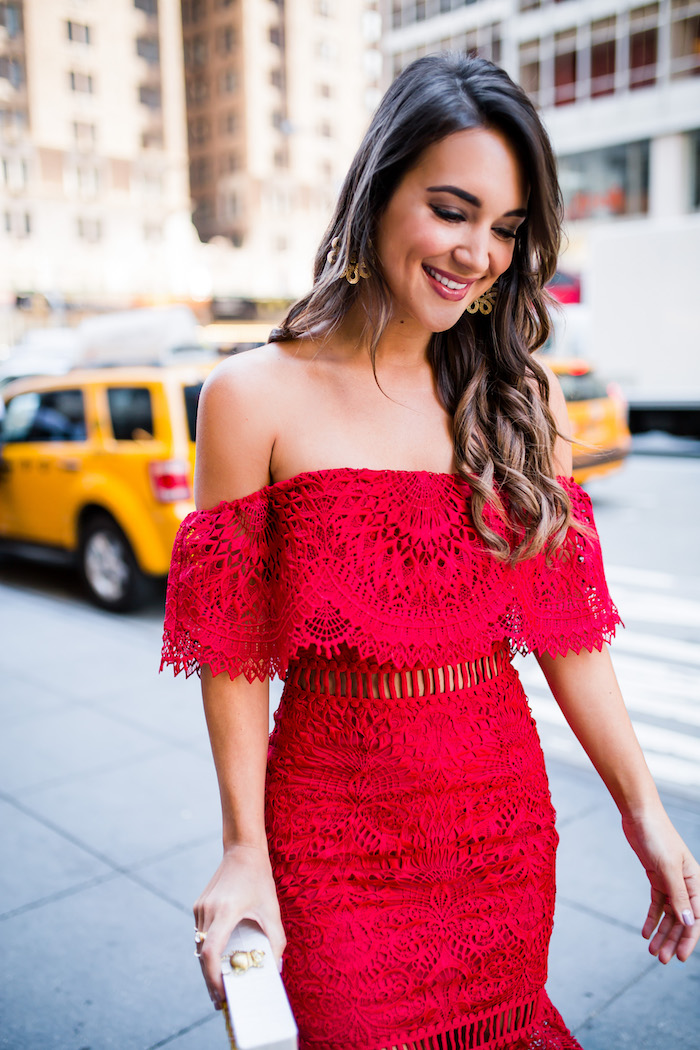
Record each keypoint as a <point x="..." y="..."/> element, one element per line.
<point x="111" y="827"/>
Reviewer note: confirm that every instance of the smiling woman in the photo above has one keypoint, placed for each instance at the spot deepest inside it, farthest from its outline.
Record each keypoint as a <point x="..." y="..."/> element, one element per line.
<point x="385" y="517"/>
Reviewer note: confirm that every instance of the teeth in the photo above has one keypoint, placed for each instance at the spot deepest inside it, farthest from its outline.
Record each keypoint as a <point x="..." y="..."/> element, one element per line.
<point x="444" y="280"/>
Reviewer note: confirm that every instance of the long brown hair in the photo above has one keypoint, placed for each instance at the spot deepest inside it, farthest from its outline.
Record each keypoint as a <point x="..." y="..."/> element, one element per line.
<point x="487" y="379"/>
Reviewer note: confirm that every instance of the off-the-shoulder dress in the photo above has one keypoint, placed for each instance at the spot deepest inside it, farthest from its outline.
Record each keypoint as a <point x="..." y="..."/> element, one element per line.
<point x="408" y="811"/>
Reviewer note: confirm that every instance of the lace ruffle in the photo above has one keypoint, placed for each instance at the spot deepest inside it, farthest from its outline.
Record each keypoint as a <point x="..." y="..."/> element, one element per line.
<point x="385" y="565"/>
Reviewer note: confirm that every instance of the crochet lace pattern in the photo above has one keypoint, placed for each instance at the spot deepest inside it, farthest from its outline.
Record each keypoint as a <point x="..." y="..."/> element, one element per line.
<point x="385" y="564"/>
<point x="408" y="815"/>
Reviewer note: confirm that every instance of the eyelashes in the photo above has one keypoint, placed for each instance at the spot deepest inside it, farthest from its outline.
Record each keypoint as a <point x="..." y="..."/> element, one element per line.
<point x="457" y="216"/>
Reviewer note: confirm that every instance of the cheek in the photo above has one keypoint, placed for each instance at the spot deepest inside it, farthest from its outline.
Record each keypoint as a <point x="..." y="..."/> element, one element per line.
<point x="503" y="257"/>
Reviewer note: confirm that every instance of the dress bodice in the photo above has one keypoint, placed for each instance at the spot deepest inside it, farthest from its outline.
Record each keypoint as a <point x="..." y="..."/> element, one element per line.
<point x="384" y="564"/>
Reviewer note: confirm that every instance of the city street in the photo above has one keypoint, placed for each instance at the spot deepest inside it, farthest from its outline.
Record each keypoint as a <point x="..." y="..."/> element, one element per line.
<point x="111" y="823"/>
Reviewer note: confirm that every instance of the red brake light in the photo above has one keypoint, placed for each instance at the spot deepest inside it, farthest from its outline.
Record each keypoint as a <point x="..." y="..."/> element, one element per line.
<point x="170" y="480"/>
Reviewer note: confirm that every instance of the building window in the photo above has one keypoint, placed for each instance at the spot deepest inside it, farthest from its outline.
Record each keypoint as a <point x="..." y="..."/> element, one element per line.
<point x="603" y="57"/>
<point x="325" y="130"/>
<point x="228" y="123"/>
<point x="84" y="134"/>
<point x="148" y="47"/>
<point x="228" y="82"/>
<point x="325" y="90"/>
<point x="11" y="69"/>
<point x="280" y="158"/>
<point x="225" y="40"/>
<point x="229" y="163"/>
<point x="199" y="131"/>
<point x="565" y="67"/>
<point x="149" y="7"/>
<point x="277" y="119"/>
<point x="275" y="36"/>
<point x="89" y="230"/>
<point x="695" y="170"/>
<point x="150" y="96"/>
<point x="643" y="44"/>
<point x="326" y="50"/>
<point x="82" y="82"/>
<point x="606" y="182"/>
<point x="197" y="90"/>
<point x="530" y="68"/>
<point x="324" y="8"/>
<point x="78" y="32"/>
<point x="685" y="39"/>
<point x="11" y="19"/>
<point x="200" y="172"/>
<point x="277" y="78"/>
<point x="88" y="182"/>
<point x="197" y="51"/>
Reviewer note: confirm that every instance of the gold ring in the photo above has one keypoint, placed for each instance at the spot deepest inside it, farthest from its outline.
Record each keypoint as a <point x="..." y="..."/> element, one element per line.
<point x="200" y="936"/>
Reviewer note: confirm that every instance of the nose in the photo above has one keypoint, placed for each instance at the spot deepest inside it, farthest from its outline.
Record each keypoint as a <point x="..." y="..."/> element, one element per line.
<point x="472" y="252"/>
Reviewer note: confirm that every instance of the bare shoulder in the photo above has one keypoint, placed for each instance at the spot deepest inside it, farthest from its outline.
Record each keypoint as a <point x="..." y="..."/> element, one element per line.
<point x="237" y="425"/>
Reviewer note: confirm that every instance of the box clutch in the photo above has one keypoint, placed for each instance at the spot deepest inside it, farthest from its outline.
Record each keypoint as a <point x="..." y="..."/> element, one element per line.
<point x="257" y="1012"/>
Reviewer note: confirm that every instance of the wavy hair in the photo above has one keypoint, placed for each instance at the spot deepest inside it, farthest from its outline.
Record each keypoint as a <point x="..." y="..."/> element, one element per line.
<point x="495" y="391"/>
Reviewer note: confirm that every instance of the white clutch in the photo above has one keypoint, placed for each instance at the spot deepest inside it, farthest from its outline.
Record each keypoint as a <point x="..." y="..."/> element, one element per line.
<point x="257" y="1011"/>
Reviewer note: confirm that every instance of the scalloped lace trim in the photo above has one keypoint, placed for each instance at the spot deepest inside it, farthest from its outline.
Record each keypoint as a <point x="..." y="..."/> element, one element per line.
<point x="379" y="565"/>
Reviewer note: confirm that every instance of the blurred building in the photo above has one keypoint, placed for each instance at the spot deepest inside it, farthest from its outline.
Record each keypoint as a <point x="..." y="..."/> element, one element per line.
<point x="618" y="86"/>
<point x="278" y="97"/>
<point x="94" y="198"/>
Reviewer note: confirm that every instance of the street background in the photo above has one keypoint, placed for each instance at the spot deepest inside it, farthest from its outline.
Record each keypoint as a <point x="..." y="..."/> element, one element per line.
<point x="110" y="812"/>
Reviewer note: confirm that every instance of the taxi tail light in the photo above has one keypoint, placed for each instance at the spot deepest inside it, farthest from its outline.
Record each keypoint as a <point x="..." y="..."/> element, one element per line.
<point x="170" y="480"/>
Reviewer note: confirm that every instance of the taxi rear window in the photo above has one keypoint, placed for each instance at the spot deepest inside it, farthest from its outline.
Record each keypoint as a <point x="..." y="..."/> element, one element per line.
<point x="587" y="387"/>
<point x="130" y="412"/>
<point x="191" y="402"/>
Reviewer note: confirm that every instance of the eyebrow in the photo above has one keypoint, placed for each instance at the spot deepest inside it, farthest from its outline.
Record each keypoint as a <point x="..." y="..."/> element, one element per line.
<point x="471" y="199"/>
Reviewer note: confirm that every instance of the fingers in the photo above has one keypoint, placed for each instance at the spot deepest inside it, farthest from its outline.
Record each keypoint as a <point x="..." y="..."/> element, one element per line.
<point x="210" y="958"/>
<point x="676" y="934"/>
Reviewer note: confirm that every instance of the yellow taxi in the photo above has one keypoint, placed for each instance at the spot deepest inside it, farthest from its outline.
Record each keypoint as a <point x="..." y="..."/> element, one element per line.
<point x="598" y="416"/>
<point x="97" y="465"/>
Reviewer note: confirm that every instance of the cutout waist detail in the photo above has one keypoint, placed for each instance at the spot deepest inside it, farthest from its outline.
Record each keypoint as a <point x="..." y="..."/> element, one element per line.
<point x="385" y="682"/>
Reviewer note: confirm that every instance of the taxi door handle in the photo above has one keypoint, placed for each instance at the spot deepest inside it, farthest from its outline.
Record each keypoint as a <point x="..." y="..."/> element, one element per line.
<point x="71" y="465"/>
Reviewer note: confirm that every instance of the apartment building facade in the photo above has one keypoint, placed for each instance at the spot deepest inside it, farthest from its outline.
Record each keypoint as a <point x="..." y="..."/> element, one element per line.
<point x="278" y="97"/>
<point x="618" y="85"/>
<point x="94" y="198"/>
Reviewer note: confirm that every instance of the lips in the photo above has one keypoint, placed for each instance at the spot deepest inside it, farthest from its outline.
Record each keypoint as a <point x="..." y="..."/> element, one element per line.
<point x="447" y="285"/>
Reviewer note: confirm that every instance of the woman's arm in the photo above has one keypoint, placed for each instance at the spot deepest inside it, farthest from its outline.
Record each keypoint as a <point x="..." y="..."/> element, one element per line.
<point x="586" y="689"/>
<point x="235" y="437"/>
<point x="242" y="886"/>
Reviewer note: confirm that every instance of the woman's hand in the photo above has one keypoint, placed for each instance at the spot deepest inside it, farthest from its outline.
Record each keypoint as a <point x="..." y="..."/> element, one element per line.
<point x="242" y="887"/>
<point x="674" y="874"/>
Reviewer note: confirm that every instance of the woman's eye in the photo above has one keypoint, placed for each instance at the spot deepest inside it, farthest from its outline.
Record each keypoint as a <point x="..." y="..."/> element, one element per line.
<point x="508" y="234"/>
<point x="446" y="214"/>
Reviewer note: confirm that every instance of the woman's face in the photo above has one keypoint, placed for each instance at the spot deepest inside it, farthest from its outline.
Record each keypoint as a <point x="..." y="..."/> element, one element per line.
<point x="448" y="230"/>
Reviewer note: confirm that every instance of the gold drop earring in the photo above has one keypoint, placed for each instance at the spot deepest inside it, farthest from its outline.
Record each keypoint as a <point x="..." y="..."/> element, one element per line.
<point x="354" y="270"/>
<point x="484" y="304"/>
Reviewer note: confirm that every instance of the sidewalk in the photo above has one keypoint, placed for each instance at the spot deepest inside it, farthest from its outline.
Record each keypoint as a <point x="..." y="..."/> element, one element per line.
<point x="110" y="822"/>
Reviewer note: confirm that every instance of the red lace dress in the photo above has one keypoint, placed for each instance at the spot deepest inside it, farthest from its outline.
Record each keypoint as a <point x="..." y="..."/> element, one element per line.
<point x="408" y="812"/>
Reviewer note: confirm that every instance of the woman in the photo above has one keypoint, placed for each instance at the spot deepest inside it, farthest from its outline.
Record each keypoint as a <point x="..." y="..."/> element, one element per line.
<point x="380" y="520"/>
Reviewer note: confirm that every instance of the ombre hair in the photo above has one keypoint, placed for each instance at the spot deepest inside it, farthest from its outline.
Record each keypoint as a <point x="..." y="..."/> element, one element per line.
<point x="495" y="391"/>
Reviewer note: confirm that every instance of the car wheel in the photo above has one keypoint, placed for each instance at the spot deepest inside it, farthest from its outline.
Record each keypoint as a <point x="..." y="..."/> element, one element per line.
<point x="108" y="567"/>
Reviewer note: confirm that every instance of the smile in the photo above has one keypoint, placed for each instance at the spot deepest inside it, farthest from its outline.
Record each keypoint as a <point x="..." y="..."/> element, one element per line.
<point x="446" y="286"/>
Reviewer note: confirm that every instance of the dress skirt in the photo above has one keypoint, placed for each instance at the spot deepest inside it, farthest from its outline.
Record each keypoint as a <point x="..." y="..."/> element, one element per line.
<point x="412" y="840"/>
